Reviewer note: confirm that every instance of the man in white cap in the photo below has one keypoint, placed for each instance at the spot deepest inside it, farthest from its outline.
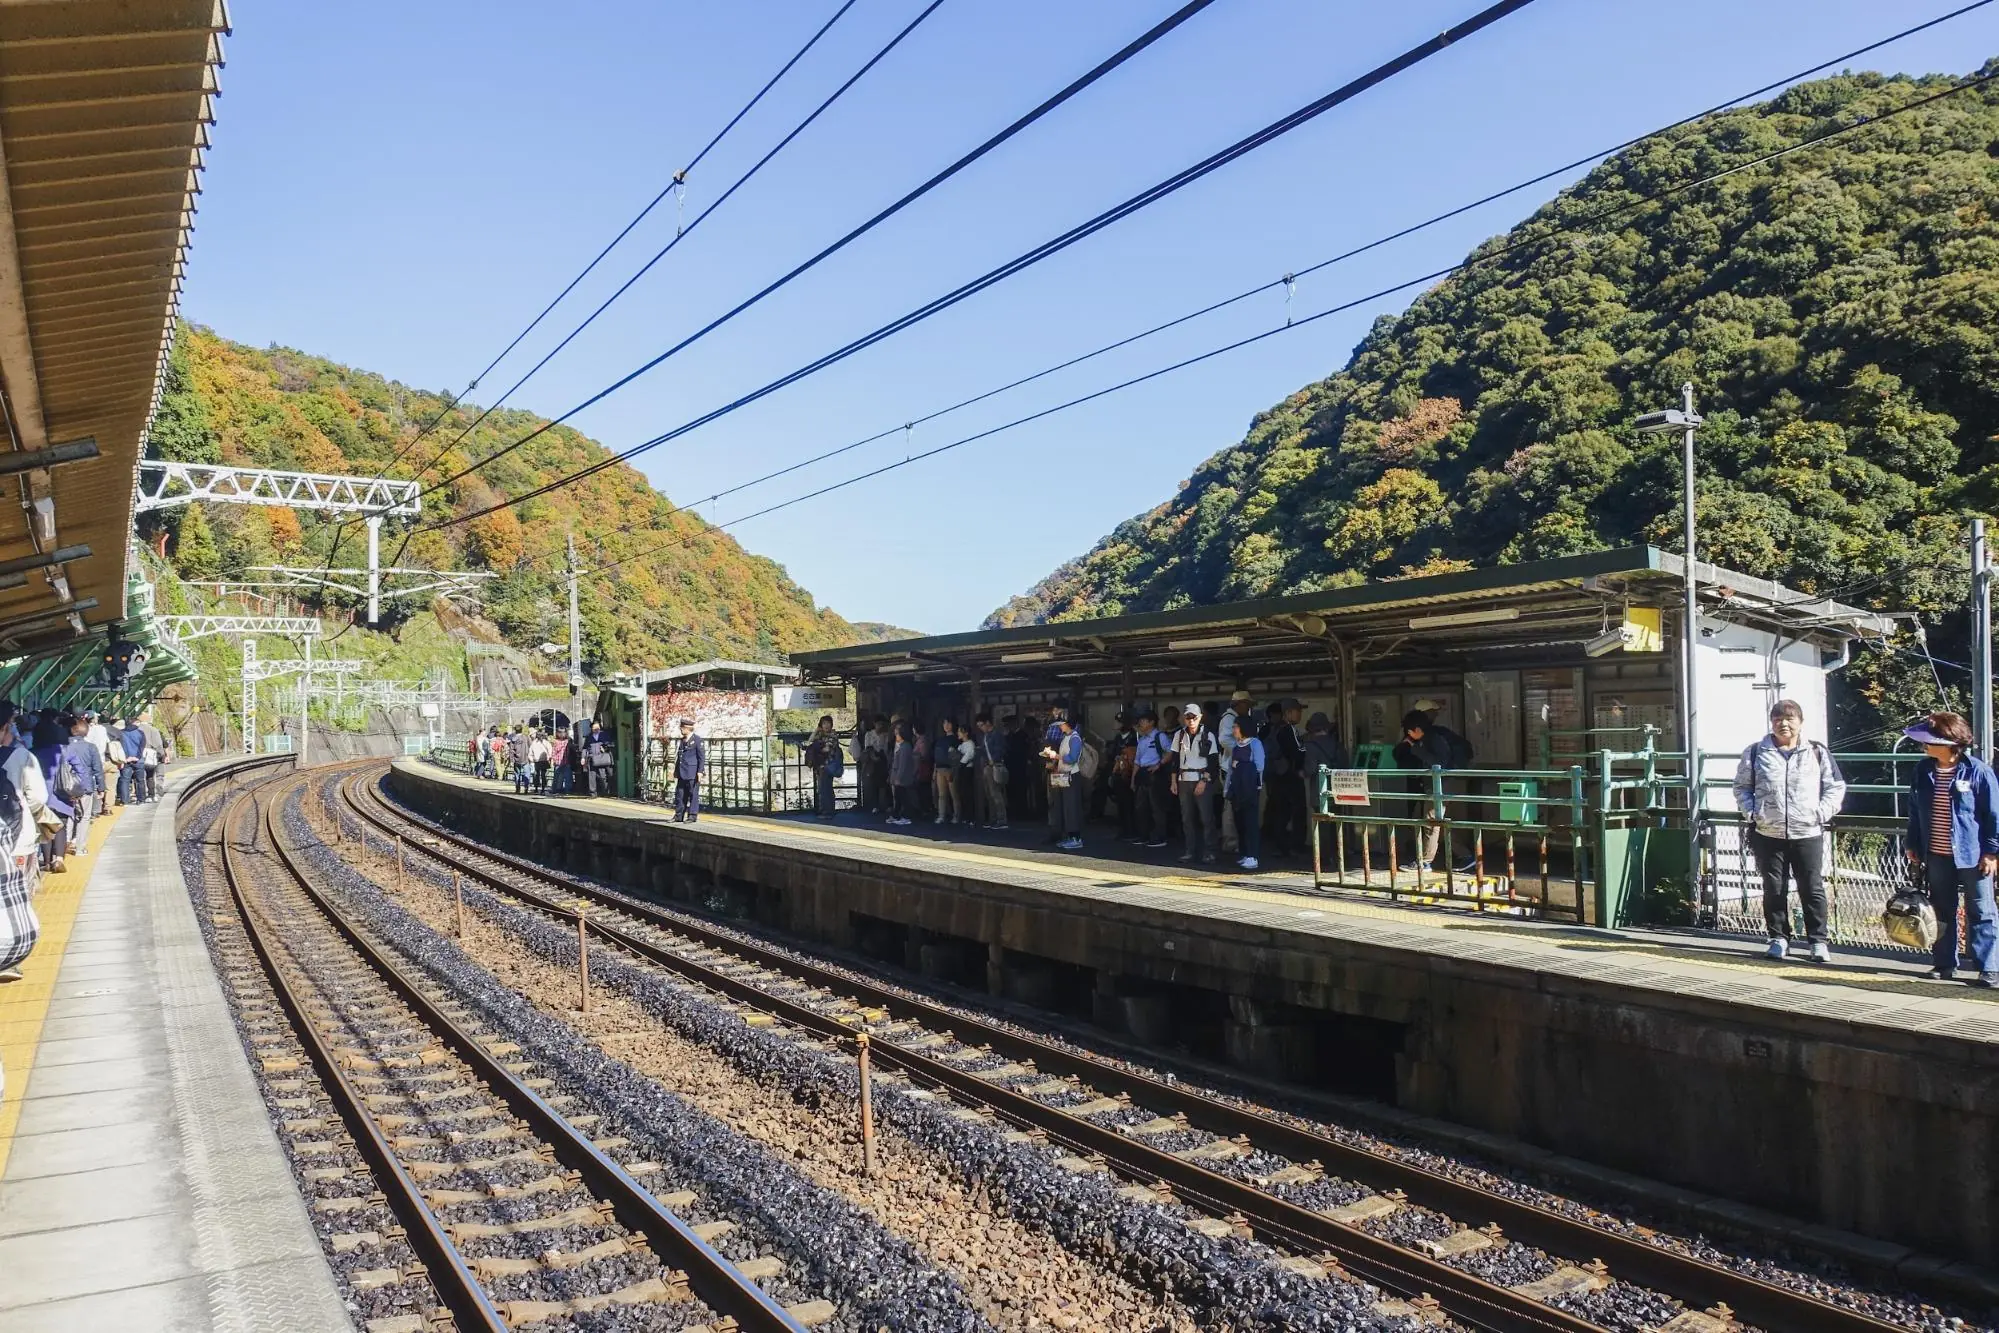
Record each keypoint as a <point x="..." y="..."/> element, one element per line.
<point x="1197" y="769"/>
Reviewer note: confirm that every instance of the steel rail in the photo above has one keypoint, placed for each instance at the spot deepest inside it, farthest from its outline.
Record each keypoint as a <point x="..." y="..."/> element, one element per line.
<point x="1695" y="1282"/>
<point x="713" y="1278"/>
<point x="446" y="1268"/>
<point x="1405" y="1272"/>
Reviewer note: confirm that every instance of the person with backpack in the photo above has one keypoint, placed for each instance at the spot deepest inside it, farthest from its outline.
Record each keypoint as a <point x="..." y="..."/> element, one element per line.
<point x="88" y="760"/>
<point x="1788" y="789"/>
<point x="1151" y="774"/>
<point x="154" y="756"/>
<point x="826" y="761"/>
<point x="1065" y="782"/>
<point x="1196" y="766"/>
<point x="1953" y="839"/>
<point x="1247" y="761"/>
<point x="1426" y="744"/>
<point x="65" y="788"/>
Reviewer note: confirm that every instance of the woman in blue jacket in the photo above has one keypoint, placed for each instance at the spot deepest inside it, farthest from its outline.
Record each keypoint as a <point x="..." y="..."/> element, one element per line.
<point x="1953" y="839"/>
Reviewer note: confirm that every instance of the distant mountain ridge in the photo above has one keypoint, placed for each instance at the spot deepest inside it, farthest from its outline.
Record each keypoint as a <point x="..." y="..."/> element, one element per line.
<point x="703" y="596"/>
<point x="1838" y="312"/>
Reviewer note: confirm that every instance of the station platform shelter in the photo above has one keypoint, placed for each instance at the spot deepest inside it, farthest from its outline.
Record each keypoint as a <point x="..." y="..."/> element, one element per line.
<point x="1564" y="676"/>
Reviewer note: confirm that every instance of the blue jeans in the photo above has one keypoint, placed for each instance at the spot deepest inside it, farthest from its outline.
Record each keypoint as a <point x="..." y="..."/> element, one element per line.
<point x="1947" y="884"/>
<point x="131" y="784"/>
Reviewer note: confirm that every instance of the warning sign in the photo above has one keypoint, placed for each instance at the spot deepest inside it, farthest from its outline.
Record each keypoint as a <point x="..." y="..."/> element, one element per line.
<point x="1349" y="786"/>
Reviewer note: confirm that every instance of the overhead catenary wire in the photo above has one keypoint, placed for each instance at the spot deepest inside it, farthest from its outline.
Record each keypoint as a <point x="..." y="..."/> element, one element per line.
<point x="1289" y="279"/>
<point x="1479" y="260"/>
<point x="681" y="233"/>
<point x="678" y="179"/>
<point x="1143" y="199"/>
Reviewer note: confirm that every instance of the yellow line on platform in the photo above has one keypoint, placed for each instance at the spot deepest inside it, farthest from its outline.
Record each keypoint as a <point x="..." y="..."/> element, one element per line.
<point x="24" y="1004"/>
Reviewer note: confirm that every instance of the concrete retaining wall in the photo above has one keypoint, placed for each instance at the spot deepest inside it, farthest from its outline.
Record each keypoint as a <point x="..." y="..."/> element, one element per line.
<point x="1893" y="1134"/>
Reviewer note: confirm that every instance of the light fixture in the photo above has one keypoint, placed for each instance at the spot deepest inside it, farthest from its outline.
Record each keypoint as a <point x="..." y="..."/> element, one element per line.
<point x="1195" y="645"/>
<point x="898" y="666"/>
<point x="1491" y="617"/>
<point x="1042" y="656"/>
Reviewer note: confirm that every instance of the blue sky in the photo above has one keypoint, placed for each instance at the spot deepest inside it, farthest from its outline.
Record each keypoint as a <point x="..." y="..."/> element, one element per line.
<point x="402" y="186"/>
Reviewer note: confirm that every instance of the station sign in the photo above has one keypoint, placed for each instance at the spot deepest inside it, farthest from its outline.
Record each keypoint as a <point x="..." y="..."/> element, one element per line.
<point x="822" y="698"/>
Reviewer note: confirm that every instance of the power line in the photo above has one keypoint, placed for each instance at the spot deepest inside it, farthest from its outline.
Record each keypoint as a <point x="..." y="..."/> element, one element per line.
<point x="1103" y="68"/>
<point x="1260" y="288"/>
<point x="680" y="233"/>
<point x="678" y="179"/>
<point x="1489" y="257"/>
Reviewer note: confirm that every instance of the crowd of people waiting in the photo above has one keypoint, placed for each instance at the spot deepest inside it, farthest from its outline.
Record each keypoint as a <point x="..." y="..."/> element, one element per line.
<point x="545" y="761"/>
<point x="1220" y="779"/>
<point x="58" y="772"/>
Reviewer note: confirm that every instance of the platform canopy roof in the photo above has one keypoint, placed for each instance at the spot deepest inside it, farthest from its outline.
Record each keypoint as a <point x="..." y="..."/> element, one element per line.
<point x="1506" y="613"/>
<point x="104" y="114"/>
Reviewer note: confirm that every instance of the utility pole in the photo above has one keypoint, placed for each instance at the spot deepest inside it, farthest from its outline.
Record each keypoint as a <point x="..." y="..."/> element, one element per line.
<point x="1981" y="634"/>
<point x="575" y="638"/>
<point x="1686" y="421"/>
<point x="374" y="569"/>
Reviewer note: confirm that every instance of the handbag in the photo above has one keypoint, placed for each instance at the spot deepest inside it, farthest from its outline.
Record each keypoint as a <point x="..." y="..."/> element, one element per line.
<point x="1910" y="920"/>
<point x="1058" y="779"/>
<point x="999" y="774"/>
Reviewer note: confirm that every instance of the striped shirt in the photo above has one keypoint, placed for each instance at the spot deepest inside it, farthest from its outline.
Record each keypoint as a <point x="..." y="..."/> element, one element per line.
<point x="1940" y="812"/>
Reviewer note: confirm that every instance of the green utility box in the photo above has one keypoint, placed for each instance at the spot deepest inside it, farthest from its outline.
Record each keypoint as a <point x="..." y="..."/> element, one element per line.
<point x="1519" y="802"/>
<point x="1374" y="756"/>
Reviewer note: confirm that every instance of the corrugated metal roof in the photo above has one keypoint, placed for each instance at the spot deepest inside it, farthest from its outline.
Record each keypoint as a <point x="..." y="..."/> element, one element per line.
<point x="104" y="109"/>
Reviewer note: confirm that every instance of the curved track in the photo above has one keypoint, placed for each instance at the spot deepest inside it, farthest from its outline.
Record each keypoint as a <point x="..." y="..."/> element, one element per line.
<point x="517" y="1216"/>
<point x="1195" y="1145"/>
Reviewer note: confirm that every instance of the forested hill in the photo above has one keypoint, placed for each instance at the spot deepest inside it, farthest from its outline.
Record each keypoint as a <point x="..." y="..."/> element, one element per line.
<point x="701" y="596"/>
<point x="1838" y="312"/>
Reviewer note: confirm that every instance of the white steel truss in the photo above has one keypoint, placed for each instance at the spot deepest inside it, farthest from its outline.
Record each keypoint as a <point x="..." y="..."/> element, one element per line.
<point x="256" y="669"/>
<point x="164" y="485"/>
<point x="200" y="627"/>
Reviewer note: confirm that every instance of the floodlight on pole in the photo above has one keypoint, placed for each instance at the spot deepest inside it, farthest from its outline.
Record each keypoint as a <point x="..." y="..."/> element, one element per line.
<point x="1686" y="421"/>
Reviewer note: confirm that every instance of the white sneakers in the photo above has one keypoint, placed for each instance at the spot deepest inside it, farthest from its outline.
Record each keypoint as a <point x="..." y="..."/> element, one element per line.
<point x="1247" y="863"/>
<point x="1820" y="953"/>
<point x="1779" y="947"/>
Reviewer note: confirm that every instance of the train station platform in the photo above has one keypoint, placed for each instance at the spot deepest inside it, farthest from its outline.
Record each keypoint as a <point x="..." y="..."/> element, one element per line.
<point x="141" y="1183"/>
<point x="1854" y="1095"/>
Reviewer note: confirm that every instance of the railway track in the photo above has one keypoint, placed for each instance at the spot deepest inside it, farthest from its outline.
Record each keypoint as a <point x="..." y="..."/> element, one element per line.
<point x="517" y="1216"/>
<point x="1418" y="1233"/>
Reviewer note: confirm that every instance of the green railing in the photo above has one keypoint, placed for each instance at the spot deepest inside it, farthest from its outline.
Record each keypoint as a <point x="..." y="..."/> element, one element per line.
<point x="1604" y="841"/>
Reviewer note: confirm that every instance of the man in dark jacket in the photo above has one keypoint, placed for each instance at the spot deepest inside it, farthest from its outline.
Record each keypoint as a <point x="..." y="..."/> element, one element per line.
<point x="1284" y="775"/>
<point x="599" y="760"/>
<point x="1428" y="744"/>
<point x="690" y="765"/>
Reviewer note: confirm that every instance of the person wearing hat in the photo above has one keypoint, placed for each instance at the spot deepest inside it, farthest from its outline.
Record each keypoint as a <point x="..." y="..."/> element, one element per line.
<point x="1953" y="840"/>
<point x="1789" y="789"/>
<point x="1197" y="769"/>
<point x="1428" y="744"/>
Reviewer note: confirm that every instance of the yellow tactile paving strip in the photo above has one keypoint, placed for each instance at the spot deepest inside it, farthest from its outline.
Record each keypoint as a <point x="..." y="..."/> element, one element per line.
<point x="1857" y="973"/>
<point x="24" y="1004"/>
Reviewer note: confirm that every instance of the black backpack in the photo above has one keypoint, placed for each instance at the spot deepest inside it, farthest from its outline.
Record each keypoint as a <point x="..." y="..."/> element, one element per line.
<point x="1460" y="748"/>
<point x="12" y="812"/>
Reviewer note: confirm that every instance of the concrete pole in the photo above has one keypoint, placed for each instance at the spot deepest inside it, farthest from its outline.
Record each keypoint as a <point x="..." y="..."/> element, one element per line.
<point x="374" y="568"/>
<point x="1981" y="624"/>
<point x="1688" y="649"/>
<point x="249" y="696"/>
<point x="575" y="637"/>
<point x="305" y="708"/>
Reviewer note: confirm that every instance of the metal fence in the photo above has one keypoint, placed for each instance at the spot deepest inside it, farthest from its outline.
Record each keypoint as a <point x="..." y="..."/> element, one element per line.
<point x="1604" y="841"/>
<point x="749" y="775"/>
